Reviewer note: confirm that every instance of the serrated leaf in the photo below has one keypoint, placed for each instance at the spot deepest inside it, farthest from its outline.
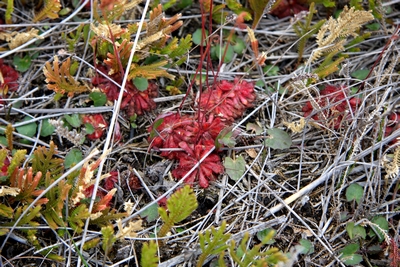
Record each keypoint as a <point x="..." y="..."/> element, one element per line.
<point x="99" y="99"/>
<point x="278" y="139"/>
<point x="27" y="129"/>
<point x="354" y="192"/>
<point x="181" y="204"/>
<point x="150" y="213"/>
<point x="235" y="168"/>
<point x="47" y="128"/>
<point x="149" y="256"/>
<point x="72" y="158"/>
<point x="141" y="83"/>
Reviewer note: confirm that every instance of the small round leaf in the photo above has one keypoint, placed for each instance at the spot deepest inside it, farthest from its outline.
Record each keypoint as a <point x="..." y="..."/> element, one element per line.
<point x="278" y="139"/>
<point x="141" y="83"/>
<point x="47" y="128"/>
<point x="99" y="99"/>
<point x="354" y="192"/>
<point x="235" y="168"/>
<point x="72" y="158"/>
<point x="27" y="129"/>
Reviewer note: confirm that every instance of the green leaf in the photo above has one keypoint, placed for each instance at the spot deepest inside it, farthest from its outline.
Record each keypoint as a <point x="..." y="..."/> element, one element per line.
<point x="355" y="231"/>
<point x="141" y="83"/>
<point x="156" y="124"/>
<point x="74" y="120"/>
<point x="383" y="226"/>
<point x="181" y="204"/>
<point x="235" y="168"/>
<point x="22" y="64"/>
<point x="149" y="257"/>
<point x="225" y="138"/>
<point x="196" y="38"/>
<point x="64" y="11"/>
<point x="373" y="26"/>
<point x="354" y="192"/>
<point x="278" y="139"/>
<point x="220" y="50"/>
<point x="6" y="211"/>
<point x="47" y="128"/>
<point x="271" y="70"/>
<point x="72" y="158"/>
<point x="258" y="7"/>
<point x="351" y="259"/>
<point x="99" y="99"/>
<point x="89" y="128"/>
<point x="27" y="129"/>
<point x="350" y="249"/>
<point x="305" y="247"/>
<point x="150" y="213"/>
<point x="359" y="74"/>
<point x="108" y="238"/>
<point x="239" y="46"/>
<point x="267" y="233"/>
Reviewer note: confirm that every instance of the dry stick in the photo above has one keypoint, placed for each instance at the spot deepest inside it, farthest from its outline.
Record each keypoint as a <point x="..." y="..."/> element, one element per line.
<point x="46" y="33"/>
<point x="110" y="133"/>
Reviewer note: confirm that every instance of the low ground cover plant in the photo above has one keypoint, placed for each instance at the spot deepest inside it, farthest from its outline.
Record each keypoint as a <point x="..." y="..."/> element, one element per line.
<point x="209" y="133"/>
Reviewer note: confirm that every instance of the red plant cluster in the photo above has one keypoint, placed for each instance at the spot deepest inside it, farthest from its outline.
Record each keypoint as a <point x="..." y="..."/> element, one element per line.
<point x="133" y="101"/>
<point x="8" y="78"/>
<point x="228" y="100"/>
<point x="189" y="138"/>
<point x="334" y="103"/>
<point x="287" y="8"/>
<point x="99" y="124"/>
<point x="393" y="125"/>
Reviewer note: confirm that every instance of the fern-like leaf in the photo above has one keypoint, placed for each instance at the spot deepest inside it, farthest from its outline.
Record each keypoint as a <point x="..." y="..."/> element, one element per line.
<point x="213" y="242"/>
<point x="16" y="160"/>
<point x="152" y="71"/>
<point x="28" y="185"/>
<point x="50" y="10"/>
<point x="108" y="238"/>
<point x="180" y="205"/>
<point x="334" y="31"/>
<point x="44" y="161"/>
<point x="149" y="256"/>
<point x="78" y="217"/>
<point x="176" y="50"/>
<point x="60" y="80"/>
<point x="124" y="50"/>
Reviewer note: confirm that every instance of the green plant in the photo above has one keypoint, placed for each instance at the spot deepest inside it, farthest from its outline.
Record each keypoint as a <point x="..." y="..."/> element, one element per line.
<point x="179" y="206"/>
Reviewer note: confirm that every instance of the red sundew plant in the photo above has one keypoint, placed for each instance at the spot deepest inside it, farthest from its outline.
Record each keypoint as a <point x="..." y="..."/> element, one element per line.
<point x="333" y="104"/>
<point x="134" y="101"/>
<point x="393" y="125"/>
<point x="197" y="134"/>
<point x="8" y="78"/>
<point x="287" y="8"/>
<point x="99" y="125"/>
